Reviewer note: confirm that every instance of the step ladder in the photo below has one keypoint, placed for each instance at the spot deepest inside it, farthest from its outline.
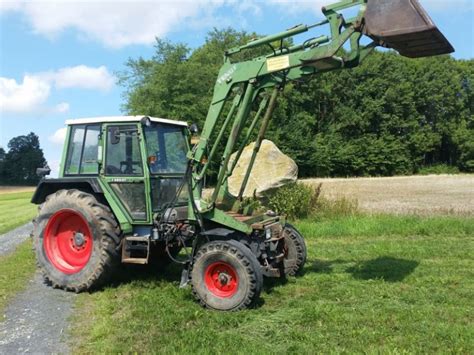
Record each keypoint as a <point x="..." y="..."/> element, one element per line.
<point x="136" y="249"/>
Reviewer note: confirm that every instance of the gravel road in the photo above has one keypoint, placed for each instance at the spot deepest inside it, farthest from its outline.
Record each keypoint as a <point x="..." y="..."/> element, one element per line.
<point x="36" y="321"/>
<point x="10" y="240"/>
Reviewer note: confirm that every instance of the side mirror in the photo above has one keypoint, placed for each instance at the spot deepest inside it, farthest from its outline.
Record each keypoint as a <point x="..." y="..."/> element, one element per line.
<point x="114" y="135"/>
<point x="194" y="129"/>
<point x="145" y="121"/>
<point x="43" y="171"/>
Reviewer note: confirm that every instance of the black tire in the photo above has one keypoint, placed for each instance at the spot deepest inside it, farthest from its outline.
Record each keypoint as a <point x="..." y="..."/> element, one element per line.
<point x="244" y="265"/>
<point x="295" y="250"/>
<point x="103" y="233"/>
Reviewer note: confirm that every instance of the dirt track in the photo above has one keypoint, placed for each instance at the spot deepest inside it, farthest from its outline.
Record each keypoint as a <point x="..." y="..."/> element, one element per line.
<point x="423" y="195"/>
<point x="37" y="318"/>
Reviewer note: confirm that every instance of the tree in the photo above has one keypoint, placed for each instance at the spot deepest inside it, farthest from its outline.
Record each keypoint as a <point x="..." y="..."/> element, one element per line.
<point x="2" y="159"/>
<point x="20" y="162"/>
<point x="391" y="115"/>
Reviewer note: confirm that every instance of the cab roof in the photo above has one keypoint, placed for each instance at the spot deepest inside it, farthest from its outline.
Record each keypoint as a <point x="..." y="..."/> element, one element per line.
<point x="121" y="119"/>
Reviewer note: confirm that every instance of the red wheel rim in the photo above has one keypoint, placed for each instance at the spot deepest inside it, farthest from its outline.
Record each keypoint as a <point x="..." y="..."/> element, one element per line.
<point x="221" y="279"/>
<point x="68" y="241"/>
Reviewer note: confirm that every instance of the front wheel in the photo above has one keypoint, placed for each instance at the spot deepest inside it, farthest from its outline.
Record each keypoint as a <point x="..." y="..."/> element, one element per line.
<point x="226" y="276"/>
<point x="295" y="251"/>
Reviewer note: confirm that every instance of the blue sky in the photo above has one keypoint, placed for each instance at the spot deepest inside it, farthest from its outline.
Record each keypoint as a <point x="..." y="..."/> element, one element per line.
<point x="58" y="59"/>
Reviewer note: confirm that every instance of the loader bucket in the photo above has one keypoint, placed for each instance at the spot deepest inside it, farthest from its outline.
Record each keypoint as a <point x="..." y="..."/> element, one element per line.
<point x="406" y="27"/>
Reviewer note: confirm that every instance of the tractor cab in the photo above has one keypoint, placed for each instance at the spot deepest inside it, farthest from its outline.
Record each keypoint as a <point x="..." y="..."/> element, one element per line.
<point x="140" y="161"/>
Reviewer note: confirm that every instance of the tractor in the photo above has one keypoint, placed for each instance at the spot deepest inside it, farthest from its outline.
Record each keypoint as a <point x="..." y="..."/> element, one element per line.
<point x="130" y="189"/>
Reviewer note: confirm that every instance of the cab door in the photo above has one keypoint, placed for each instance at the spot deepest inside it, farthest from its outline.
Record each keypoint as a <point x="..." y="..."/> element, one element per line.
<point x="123" y="169"/>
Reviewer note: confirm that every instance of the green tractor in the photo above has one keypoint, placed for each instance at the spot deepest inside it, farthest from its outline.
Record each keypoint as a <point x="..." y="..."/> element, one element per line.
<point x="130" y="189"/>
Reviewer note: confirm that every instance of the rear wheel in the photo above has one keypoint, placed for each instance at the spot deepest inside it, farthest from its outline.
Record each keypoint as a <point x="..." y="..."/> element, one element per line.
<point x="226" y="276"/>
<point x="295" y="251"/>
<point x="76" y="240"/>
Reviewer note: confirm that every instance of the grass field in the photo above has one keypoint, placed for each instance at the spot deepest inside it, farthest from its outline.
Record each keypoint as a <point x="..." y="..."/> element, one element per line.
<point x="15" y="209"/>
<point x="15" y="268"/>
<point x="372" y="284"/>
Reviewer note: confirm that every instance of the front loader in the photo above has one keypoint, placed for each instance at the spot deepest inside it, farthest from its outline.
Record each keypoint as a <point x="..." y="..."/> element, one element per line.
<point x="131" y="188"/>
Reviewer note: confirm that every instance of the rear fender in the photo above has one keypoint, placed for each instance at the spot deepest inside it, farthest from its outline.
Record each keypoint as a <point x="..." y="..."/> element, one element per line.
<point x="90" y="185"/>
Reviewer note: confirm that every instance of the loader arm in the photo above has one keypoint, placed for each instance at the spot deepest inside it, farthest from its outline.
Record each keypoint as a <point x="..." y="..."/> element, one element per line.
<point x="255" y="83"/>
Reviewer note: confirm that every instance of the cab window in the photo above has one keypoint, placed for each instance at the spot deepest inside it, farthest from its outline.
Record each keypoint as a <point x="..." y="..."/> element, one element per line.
<point x="166" y="149"/>
<point x="83" y="150"/>
<point x="123" y="151"/>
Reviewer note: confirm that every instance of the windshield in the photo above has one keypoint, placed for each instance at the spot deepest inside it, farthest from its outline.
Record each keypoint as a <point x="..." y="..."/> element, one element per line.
<point x="166" y="149"/>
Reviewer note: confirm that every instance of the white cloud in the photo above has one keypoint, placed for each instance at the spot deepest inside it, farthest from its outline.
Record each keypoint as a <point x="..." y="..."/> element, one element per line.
<point x="24" y="96"/>
<point x="119" y="23"/>
<point x="84" y="77"/>
<point x="58" y="137"/>
<point x="9" y="5"/>
<point x="114" y="23"/>
<point x="32" y="93"/>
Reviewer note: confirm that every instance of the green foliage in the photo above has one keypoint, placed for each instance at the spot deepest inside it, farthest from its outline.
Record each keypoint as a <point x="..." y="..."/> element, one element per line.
<point x="294" y="200"/>
<point x="298" y="201"/>
<point x="18" y="166"/>
<point x="438" y="169"/>
<point x="390" y="116"/>
<point x="372" y="284"/>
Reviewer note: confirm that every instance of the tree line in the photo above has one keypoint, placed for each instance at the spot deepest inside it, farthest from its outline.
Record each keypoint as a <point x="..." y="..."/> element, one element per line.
<point x="390" y="116"/>
<point x="18" y="165"/>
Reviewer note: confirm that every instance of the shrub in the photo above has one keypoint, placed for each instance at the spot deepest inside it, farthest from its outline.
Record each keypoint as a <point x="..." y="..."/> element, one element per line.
<point x="294" y="200"/>
<point x="438" y="169"/>
<point x="298" y="201"/>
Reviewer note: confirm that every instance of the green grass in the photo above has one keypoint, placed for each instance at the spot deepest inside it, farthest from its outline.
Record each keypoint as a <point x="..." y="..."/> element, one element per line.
<point x="15" y="270"/>
<point x="15" y="210"/>
<point x="372" y="284"/>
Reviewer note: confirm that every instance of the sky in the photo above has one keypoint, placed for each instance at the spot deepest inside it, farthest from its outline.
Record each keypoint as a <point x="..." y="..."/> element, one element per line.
<point x="59" y="59"/>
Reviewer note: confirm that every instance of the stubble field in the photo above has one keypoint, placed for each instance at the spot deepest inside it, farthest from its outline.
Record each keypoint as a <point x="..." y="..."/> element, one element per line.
<point x="419" y="195"/>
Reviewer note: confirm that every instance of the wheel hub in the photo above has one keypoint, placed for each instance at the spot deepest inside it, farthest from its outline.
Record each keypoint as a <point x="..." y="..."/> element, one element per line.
<point x="68" y="241"/>
<point x="79" y="239"/>
<point x="221" y="279"/>
<point x="224" y="278"/>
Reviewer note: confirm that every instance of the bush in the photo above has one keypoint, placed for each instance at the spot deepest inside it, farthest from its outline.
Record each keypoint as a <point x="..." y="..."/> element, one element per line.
<point x="298" y="201"/>
<point x="294" y="200"/>
<point x="438" y="169"/>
